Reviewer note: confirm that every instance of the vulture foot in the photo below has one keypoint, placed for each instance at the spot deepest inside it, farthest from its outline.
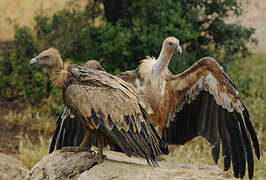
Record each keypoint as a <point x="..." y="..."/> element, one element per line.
<point x="97" y="159"/>
<point x="160" y="158"/>
<point x="77" y="149"/>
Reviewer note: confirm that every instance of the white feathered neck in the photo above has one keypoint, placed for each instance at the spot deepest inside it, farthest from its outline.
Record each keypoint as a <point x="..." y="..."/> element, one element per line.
<point x="155" y="71"/>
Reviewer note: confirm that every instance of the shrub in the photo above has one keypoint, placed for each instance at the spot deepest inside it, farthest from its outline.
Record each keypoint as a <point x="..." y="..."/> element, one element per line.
<point x="119" y="42"/>
<point x="17" y="79"/>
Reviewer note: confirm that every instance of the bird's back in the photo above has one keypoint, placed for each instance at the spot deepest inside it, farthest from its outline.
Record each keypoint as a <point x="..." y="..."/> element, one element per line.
<point x="115" y="109"/>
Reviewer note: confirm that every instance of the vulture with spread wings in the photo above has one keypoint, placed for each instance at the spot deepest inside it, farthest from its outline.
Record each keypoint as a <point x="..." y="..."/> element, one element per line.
<point x="107" y="107"/>
<point x="201" y="101"/>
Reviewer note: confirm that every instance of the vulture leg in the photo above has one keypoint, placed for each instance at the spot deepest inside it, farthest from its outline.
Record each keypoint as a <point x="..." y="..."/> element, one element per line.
<point x="99" y="156"/>
<point x="97" y="159"/>
<point x="81" y="147"/>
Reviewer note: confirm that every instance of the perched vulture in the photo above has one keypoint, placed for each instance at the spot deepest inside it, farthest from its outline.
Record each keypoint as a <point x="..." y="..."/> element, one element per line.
<point x="107" y="107"/>
<point x="69" y="131"/>
<point x="201" y="101"/>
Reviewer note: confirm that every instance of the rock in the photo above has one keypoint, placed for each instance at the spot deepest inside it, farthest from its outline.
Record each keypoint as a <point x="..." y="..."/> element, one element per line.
<point x="11" y="168"/>
<point x="117" y="166"/>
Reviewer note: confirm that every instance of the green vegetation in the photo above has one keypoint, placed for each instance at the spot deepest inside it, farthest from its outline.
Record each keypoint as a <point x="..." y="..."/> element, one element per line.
<point x="119" y="42"/>
<point x="250" y="77"/>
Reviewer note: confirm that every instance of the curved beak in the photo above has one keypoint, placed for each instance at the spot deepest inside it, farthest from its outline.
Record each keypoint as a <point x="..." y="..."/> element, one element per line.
<point x="179" y="49"/>
<point x="34" y="61"/>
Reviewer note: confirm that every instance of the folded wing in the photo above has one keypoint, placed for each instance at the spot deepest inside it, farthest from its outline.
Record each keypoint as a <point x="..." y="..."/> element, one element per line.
<point x="108" y="105"/>
<point x="69" y="132"/>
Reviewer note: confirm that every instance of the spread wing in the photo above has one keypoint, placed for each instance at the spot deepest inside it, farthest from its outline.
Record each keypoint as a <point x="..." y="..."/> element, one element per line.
<point x="108" y="104"/>
<point x="206" y="103"/>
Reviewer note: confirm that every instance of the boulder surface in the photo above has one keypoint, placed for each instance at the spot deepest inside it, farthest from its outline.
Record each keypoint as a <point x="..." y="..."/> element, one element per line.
<point x="11" y="168"/>
<point x="67" y="165"/>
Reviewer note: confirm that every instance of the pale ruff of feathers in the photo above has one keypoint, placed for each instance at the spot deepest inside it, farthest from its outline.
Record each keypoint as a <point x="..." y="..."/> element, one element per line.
<point x="61" y="76"/>
<point x="147" y="74"/>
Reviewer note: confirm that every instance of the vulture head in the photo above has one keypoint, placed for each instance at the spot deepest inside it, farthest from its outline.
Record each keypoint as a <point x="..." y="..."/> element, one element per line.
<point x="49" y="58"/>
<point x="171" y="45"/>
<point x="93" y="64"/>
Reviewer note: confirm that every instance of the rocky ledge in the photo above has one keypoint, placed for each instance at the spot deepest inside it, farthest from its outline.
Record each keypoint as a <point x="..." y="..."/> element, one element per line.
<point x="66" y="165"/>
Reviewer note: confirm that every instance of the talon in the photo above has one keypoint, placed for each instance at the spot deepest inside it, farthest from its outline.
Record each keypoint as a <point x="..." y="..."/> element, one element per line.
<point x="161" y="158"/>
<point x="90" y="155"/>
<point x="104" y="157"/>
<point x="67" y="149"/>
<point x="76" y="149"/>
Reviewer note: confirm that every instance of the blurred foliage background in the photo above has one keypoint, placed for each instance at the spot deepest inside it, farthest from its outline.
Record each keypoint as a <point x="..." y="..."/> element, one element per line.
<point x="119" y="34"/>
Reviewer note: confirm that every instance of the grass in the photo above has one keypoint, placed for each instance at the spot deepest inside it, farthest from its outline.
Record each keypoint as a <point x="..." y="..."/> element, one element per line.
<point x="41" y="119"/>
<point x="31" y="153"/>
<point x="38" y="123"/>
<point x="249" y="76"/>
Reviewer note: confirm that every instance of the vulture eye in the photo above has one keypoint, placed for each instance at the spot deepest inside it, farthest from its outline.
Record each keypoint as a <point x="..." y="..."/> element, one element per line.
<point x="170" y="43"/>
<point x="45" y="57"/>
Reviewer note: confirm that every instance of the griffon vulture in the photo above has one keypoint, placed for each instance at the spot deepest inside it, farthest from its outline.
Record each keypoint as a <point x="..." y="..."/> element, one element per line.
<point x="201" y="101"/>
<point x="107" y="107"/>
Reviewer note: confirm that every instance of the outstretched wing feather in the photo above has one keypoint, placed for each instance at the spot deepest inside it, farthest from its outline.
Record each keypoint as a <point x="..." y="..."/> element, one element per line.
<point x="207" y="104"/>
